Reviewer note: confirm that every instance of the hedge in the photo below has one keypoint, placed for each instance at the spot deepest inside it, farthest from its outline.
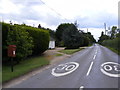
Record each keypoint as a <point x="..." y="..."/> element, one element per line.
<point x="14" y="35"/>
<point x="40" y="38"/>
<point x="115" y="44"/>
<point x="5" y="28"/>
<point x="29" y="40"/>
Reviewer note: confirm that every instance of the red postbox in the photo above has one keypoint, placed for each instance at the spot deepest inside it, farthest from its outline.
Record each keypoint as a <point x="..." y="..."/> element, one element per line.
<point x="11" y="50"/>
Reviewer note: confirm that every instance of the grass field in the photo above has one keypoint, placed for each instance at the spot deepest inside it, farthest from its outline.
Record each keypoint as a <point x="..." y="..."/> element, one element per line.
<point x="70" y="51"/>
<point x="22" y="68"/>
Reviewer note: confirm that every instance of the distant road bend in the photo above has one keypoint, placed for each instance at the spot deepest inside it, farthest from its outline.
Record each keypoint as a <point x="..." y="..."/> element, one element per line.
<point x="93" y="67"/>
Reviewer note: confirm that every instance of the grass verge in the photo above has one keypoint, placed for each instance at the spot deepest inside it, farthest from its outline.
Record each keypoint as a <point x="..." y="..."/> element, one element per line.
<point x="25" y="66"/>
<point x="58" y="54"/>
<point x="70" y="51"/>
<point x="112" y="49"/>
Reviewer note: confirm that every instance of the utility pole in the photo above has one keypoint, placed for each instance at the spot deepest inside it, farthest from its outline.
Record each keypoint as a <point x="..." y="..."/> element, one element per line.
<point x="33" y="25"/>
<point x="105" y="27"/>
<point x="87" y="30"/>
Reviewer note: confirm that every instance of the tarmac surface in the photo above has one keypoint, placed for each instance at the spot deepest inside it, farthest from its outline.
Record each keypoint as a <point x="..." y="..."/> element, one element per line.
<point x="93" y="67"/>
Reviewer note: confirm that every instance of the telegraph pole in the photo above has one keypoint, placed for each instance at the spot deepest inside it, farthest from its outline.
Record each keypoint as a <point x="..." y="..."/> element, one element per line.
<point x="105" y="27"/>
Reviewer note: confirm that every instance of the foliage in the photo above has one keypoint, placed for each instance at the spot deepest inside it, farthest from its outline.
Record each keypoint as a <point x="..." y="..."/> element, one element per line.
<point x="70" y="51"/>
<point x="40" y="39"/>
<point x="118" y="35"/>
<point x="24" y="67"/>
<point x="72" y="37"/>
<point x="59" y="33"/>
<point x="5" y="28"/>
<point x="113" y="32"/>
<point x="115" y="44"/>
<point x="79" y="37"/>
<point x="88" y="39"/>
<point x="23" y="41"/>
<point x="52" y="33"/>
<point x="39" y="26"/>
<point x="112" y="42"/>
<point x="14" y="35"/>
<point x="27" y="39"/>
<point x="103" y="37"/>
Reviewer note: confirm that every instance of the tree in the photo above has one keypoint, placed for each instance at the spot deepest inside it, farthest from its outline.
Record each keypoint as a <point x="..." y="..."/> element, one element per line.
<point x="59" y="32"/>
<point x="88" y="39"/>
<point x="113" y="32"/>
<point x="72" y="37"/>
<point x="103" y="37"/>
<point x="76" y="24"/>
<point x="39" y="26"/>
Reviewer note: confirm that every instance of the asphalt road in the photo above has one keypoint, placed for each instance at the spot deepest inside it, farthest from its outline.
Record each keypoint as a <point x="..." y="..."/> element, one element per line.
<point x="93" y="67"/>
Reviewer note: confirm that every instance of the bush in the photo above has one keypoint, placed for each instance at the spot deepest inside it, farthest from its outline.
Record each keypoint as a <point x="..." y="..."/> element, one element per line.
<point x="5" y="28"/>
<point x="86" y="41"/>
<point x="14" y="35"/>
<point x="29" y="40"/>
<point x="72" y="37"/>
<point x="40" y="39"/>
<point x="115" y="44"/>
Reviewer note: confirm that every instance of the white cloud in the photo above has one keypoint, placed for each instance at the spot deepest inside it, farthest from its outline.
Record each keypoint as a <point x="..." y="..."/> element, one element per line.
<point x="8" y="7"/>
<point x="94" y="31"/>
<point x="88" y="13"/>
<point x="83" y="8"/>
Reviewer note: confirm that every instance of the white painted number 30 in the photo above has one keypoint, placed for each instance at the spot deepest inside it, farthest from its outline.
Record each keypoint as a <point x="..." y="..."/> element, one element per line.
<point x="64" y="69"/>
<point x="111" y="69"/>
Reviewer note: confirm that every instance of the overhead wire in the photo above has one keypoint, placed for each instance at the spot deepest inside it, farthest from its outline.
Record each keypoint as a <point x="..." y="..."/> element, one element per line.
<point x="55" y="11"/>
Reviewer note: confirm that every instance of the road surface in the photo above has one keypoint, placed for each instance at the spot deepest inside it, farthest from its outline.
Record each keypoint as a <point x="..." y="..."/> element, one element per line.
<point x="93" y="67"/>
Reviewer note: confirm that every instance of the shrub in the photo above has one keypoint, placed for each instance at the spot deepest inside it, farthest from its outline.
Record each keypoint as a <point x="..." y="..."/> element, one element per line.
<point x="5" y="28"/>
<point x="23" y="41"/>
<point x="115" y="43"/>
<point x="72" y="37"/>
<point x="29" y="40"/>
<point x="86" y="41"/>
<point x="40" y="39"/>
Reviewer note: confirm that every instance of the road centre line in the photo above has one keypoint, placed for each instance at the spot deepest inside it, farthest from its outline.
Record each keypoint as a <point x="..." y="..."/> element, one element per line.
<point x="94" y="56"/>
<point x="96" y="52"/>
<point x="81" y="87"/>
<point x="89" y="68"/>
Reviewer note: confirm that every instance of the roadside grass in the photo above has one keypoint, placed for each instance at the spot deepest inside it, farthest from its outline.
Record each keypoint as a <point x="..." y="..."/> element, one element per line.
<point x="23" y="67"/>
<point x="58" y="54"/>
<point x="70" y="51"/>
<point x="112" y="49"/>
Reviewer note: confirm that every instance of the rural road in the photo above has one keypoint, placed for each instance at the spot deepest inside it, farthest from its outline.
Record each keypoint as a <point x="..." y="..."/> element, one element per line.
<point x="93" y="67"/>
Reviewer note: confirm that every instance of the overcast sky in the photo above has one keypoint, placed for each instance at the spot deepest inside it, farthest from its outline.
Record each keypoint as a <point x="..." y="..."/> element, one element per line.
<point x="91" y="14"/>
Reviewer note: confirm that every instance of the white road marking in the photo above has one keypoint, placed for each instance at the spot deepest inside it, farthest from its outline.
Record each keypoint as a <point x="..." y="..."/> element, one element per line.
<point x="109" y="68"/>
<point x="96" y="52"/>
<point x="89" y="69"/>
<point x="81" y="87"/>
<point x="94" y="56"/>
<point x="105" y="71"/>
<point x="65" y="67"/>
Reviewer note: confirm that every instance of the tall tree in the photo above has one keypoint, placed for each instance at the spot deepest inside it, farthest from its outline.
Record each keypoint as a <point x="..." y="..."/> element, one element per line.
<point x="113" y="32"/>
<point x="72" y="37"/>
<point x="59" y="33"/>
<point x="103" y="37"/>
<point x="39" y="26"/>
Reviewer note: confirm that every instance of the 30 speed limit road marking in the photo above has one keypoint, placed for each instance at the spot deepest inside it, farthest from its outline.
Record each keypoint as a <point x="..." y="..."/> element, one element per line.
<point x="64" y="69"/>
